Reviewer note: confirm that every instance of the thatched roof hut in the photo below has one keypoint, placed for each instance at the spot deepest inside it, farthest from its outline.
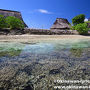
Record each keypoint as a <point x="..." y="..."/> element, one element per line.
<point x="12" y="13"/>
<point x="61" y="24"/>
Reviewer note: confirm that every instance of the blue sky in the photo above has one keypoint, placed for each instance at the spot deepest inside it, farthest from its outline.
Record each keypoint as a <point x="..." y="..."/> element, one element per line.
<point x="43" y="13"/>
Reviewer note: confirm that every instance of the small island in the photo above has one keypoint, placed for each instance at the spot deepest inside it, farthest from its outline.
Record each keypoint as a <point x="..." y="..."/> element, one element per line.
<point x="11" y="23"/>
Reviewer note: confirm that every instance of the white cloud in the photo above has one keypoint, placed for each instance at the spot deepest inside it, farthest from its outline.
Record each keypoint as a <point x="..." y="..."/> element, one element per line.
<point x="85" y="20"/>
<point x="44" y="11"/>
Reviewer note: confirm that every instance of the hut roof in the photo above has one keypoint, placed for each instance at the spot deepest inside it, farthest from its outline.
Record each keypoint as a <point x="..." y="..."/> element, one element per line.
<point x="61" y="23"/>
<point x="12" y="13"/>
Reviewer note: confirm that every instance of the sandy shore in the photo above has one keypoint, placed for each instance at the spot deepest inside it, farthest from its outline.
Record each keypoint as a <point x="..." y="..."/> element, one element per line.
<point x="26" y="38"/>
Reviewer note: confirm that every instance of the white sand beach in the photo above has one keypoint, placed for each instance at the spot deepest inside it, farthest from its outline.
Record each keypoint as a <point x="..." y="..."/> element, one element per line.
<point x="31" y="38"/>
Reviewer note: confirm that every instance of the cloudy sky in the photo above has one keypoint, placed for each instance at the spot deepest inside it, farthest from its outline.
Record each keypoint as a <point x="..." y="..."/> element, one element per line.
<point x="42" y="13"/>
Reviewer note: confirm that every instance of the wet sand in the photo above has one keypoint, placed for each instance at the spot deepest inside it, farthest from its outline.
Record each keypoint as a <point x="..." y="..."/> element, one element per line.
<point x="35" y="38"/>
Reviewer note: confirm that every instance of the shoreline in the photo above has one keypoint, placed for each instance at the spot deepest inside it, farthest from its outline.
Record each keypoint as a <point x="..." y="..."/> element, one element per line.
<point x="28" y="38"/>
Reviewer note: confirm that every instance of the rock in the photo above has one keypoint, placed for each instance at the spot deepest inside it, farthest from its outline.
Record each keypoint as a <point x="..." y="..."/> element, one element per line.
<point x="16" y="32"/>
<point x="11" y="32"/>
<point x="27" y="69"/>
<point x="28" y="87"/>
<point x="4" y="31"/>
<point x="42" y="76"/>
<point x="12" y="13"/>
<point x="54" y="71"/>
<point x="88" y="25"/>
<point x="61" y="24"/>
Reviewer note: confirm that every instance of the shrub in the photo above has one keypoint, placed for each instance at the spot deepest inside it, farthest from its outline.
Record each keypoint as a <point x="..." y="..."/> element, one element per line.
<point x="88" y="23"/>
<point x="14" y="23"/>
<point x="73" y="28"/>
<point x="2" y="22"/>
<point x="78" y="19"/>
<point x="82" y="28"/>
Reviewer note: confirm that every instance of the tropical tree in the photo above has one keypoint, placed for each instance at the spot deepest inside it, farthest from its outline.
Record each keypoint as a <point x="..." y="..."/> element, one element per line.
<point x="2" y="22"/>
<point x="82" y="28"/>
<point x="78" y="19"/>
<point x="14" y="23"/>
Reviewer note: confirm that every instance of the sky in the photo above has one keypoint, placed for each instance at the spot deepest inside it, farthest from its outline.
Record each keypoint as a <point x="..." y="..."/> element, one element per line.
<point x="43" y="13"/>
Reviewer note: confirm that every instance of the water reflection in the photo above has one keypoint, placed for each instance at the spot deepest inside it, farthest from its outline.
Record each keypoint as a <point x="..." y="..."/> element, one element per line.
<point x="39" y="48"/>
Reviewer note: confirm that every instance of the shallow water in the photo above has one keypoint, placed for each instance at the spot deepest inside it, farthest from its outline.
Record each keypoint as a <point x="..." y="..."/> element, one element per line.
<point x="37" y="65"/>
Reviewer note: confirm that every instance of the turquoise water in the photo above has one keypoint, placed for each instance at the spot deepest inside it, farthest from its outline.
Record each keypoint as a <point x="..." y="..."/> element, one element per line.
<point x="69" y="48"/>
<point x="21" y="64"/>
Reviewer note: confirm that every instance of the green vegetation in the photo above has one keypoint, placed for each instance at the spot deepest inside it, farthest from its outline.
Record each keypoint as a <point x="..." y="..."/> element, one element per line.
<point x="77" y="52"/>
<point x="2" y="22"/>
<point x="11" y="52"/>
<point x="78" y="19"/>
<point x="73" y="28"/>
<point x="11" y="22"/>
<point x="82" y="28"/>
<point x="80" y="25"/>
<point x="88" y="22"/>
<point x="14" y="23"/>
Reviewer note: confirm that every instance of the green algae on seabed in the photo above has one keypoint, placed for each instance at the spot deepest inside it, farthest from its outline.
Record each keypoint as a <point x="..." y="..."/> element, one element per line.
<point x="76" y="52"/>
<point x="10" y="49"/>
<point x="12" y="52"/>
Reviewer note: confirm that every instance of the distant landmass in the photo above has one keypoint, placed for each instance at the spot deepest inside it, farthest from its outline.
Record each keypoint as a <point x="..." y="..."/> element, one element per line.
<point x="12" y="13"/>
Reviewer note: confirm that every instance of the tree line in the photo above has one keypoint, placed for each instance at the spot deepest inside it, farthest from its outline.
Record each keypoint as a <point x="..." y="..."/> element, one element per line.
<point x="80" y="25"/>
<point x="11" y="22"/>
